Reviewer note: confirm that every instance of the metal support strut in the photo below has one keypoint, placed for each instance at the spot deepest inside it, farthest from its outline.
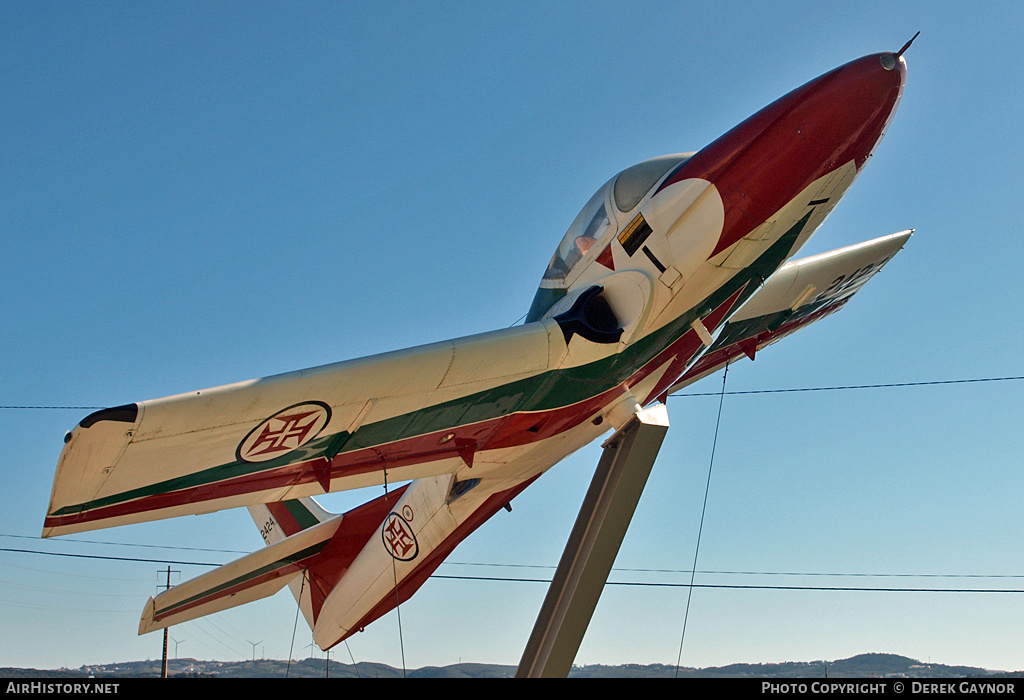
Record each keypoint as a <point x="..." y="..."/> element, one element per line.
<point x="593" y="545"/>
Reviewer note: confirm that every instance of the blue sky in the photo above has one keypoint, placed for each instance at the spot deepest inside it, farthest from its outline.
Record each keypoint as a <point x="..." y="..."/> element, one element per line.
<point x="200" y="193"/>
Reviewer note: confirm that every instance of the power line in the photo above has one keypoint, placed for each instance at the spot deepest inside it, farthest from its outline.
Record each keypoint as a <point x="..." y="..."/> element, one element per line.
<point x="51" y="607"/>
<point x="745" y="573"/>
<point x="53" y="408"/>
<point x="857" y="386"/>
<point x="52" y="572"/>
<point x="752" y="586"/>
<point x="36" y="588"/>
<point x="132" y="544"/>
<point x="891" y="385"/>
<point x="703" y="510"/>
<point x="109" y="558"/>
<point x="227" y="641"/>
<point x="720" y="572"/>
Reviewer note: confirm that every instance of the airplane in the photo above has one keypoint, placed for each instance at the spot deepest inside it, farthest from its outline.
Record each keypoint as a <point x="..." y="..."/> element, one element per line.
<point x="676" y="267"/>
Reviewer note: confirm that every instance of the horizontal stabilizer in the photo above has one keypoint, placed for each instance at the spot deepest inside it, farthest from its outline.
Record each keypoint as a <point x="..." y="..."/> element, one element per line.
<point x="350" y="569"/>
<point x="798" y="294"/>
<point x="257" y="575"/>
<point x="307" y="547"/>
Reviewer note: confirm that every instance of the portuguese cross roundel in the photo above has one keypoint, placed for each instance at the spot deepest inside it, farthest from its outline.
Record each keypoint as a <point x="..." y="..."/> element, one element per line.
<point x="286" y="430"/>
<point x="399" y="539"/>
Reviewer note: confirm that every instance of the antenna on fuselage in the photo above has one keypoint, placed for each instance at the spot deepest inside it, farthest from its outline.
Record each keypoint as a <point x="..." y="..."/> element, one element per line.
<point x="907" y="45"/>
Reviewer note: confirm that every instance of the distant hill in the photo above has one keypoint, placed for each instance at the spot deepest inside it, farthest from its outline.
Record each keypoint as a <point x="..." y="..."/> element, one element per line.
<point x="860" y="666"/>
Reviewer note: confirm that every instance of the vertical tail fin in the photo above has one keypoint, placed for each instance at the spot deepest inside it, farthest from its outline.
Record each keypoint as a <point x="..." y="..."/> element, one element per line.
<point x="286" y="518"/>
<point x="282" y="519"/>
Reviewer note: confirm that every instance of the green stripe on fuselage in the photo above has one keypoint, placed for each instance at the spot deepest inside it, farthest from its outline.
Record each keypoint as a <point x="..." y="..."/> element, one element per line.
<point x="549" y="390"/>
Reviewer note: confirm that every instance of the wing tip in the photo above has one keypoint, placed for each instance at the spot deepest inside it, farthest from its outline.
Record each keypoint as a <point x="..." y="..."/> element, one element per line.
<point x="147" y="623"/>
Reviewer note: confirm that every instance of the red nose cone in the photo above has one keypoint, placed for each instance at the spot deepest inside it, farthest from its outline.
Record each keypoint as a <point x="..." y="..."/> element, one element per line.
<point x="764" y="162"/>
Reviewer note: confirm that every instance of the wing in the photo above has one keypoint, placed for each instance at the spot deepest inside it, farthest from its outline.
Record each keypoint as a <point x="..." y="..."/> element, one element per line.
<point x="798" y="294"/>
<point x="422" y="411"/>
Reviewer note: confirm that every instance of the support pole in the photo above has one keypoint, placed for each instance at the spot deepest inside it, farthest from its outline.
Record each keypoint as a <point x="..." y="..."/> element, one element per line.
<point x="593" y="545"/>
<point x="163" y="665"/>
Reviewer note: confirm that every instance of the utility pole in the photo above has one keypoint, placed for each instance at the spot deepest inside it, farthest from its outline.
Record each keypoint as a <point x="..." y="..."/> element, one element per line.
<point x="163" y="667"/>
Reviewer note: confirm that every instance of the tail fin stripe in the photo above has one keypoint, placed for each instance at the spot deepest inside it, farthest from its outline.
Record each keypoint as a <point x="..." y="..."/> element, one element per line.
<point x="292" y="516"/>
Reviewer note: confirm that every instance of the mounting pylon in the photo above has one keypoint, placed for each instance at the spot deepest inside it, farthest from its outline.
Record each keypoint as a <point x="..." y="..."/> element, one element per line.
<point x="593" y="545"/>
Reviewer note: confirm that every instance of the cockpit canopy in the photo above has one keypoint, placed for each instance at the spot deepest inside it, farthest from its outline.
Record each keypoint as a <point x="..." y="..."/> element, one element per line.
<point x="590" y="224"/>
<point x="625" y="190"/>
<point x="596" y="223"/>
